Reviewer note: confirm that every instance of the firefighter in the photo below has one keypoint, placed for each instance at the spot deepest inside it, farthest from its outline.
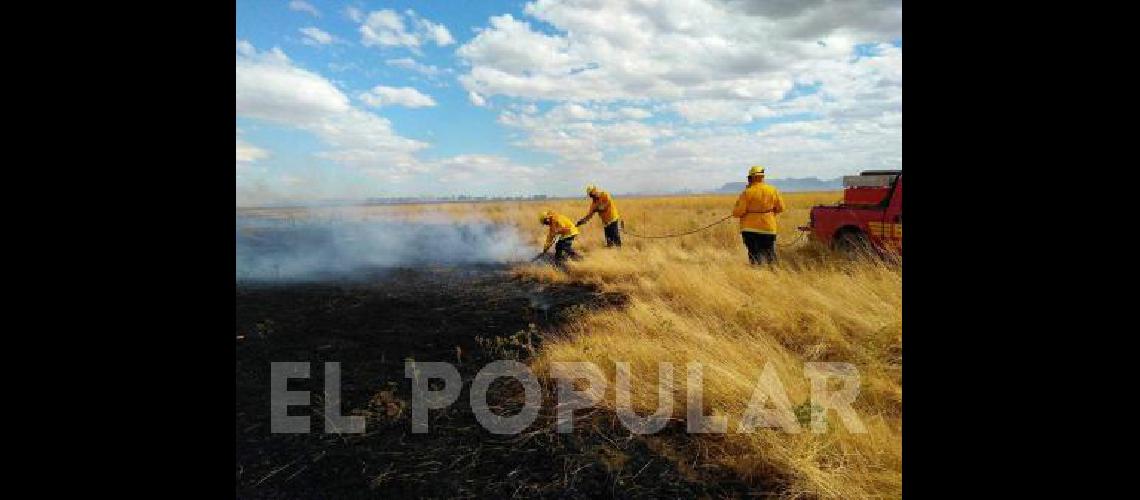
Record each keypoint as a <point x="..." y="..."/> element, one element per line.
<point x="602" y="203"/>
<point x="562" y="229"/>
<point x="757" y="208"/>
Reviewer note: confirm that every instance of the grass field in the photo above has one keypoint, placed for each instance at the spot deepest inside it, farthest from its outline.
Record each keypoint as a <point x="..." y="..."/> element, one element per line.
<point x="696" y="299"/>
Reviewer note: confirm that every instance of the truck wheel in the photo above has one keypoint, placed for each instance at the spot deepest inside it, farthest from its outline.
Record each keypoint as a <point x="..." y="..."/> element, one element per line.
<point x="852" y="243"/>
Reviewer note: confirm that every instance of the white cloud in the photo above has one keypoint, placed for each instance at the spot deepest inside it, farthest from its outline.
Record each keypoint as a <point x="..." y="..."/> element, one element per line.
<point x="804" y="128"/>
<point x="788" y="150"/>
<point x="314" y="36"/>
<point x="248" y="153"/>
<point x="717" y="65"/>
<point x="413" y="65"/>
<point x="396" y="96"/>
<point x="354" y="14"/>
<point x="582" y="134"/>
<point x="634" y="113"/>
<point x="435" y="32"/>
<point x="386" y="28"/>
<point x="363" y="140"/>
<point x="477" y="168"/>
<point x="720" y="110"/>
<point x="270" y="87"/>
<point x="572" y="111"/>
<point x="668" y="50"/>
<point x="476" y="99"/>
<point x="303" y="6"/>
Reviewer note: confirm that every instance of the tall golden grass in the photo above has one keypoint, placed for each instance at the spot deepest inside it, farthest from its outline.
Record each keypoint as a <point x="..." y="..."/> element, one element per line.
<point x="696" y="299"/>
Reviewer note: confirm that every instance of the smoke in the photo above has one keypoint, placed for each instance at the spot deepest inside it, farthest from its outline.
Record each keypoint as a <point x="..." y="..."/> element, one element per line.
<point x="270" y="249"/>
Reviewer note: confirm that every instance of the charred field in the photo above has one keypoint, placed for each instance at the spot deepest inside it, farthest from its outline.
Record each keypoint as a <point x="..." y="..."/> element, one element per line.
<point x="464" y="315"/>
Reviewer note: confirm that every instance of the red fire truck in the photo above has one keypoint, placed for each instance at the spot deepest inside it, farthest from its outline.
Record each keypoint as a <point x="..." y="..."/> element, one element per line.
<point x="869" y="217"/>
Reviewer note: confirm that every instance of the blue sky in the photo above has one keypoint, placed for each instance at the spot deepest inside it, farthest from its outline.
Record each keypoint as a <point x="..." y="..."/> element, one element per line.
<point x="355" y="99"/>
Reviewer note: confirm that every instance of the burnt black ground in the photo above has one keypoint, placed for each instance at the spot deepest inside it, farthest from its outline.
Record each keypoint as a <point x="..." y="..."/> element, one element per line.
<point x="370" y="326"/>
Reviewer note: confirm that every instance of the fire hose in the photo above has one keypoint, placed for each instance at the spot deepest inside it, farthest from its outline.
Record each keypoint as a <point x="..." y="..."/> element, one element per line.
<point x="675" y="235"/>
<point x="631" y="233"/>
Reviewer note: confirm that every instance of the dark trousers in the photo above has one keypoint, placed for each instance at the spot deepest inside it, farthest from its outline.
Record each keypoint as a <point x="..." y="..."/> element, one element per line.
<point x="613" y="234"/>
<point x="563" y="249"/>
<point x="761" y="247"/>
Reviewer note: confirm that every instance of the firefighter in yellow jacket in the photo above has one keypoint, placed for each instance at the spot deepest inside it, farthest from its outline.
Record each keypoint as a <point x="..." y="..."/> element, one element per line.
<point x="757" y="208"/>
<point x="602" y="203"/>
<point x="561" y="229"/>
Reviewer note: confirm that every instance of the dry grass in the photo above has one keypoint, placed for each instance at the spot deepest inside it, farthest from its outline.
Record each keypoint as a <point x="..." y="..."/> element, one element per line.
<point x="695" y="299"/>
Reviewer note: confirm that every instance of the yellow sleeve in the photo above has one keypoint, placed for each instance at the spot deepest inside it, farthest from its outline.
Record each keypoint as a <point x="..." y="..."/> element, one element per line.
<point x="741" y="205"/>
<point x="779" y="206"/>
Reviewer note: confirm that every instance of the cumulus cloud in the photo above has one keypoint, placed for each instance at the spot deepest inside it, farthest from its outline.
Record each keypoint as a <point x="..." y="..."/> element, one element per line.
<point x="315" y="36"/>
<point x="365" y="141"/>
<point x="634" y="113"/>
<point x="669" y="50"/>
<point x="396" y="96"/>
<point x="354" y="14"/>
<point x="270" y="87"/>
<point x="808" y="19"/>
<point x="413" y="65"/>
<point x="628" y="49"/>
<point x="435" y="32"/>
<point x="476" y="167"/>
<point x="814" y="148"/>
<point x="721" y="110"/>
<point x="717" y="65"/>
<point x="273" y="88"/>
<point x="248" y="153"/>
<point x="476" y="99"/>
<point x="582" y="134"/>
<point x="303" y="6"/>
<point x="387" y="28"/>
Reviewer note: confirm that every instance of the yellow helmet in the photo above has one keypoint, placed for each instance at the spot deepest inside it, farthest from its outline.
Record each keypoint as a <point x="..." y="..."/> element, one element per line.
<point x="591" y="189"/>
<point x="543" y="215"/>
<point x="756" y="170"/>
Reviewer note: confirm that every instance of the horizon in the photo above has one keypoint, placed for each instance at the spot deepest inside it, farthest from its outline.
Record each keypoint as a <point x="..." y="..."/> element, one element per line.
<point x="461" y="197"/>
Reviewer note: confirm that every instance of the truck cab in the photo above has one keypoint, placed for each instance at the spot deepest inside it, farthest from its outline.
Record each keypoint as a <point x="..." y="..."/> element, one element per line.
<point x="870" y="215"/>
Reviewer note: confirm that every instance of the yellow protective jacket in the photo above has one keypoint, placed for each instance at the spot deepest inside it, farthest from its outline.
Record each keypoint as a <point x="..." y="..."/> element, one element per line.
<point x="559" y="225"/>
<point x="604" y="205"/>
<point x="757" y="208"/>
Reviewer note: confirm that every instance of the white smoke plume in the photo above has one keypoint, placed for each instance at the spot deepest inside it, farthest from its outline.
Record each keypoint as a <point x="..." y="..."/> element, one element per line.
<point x="307" y="249"/>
